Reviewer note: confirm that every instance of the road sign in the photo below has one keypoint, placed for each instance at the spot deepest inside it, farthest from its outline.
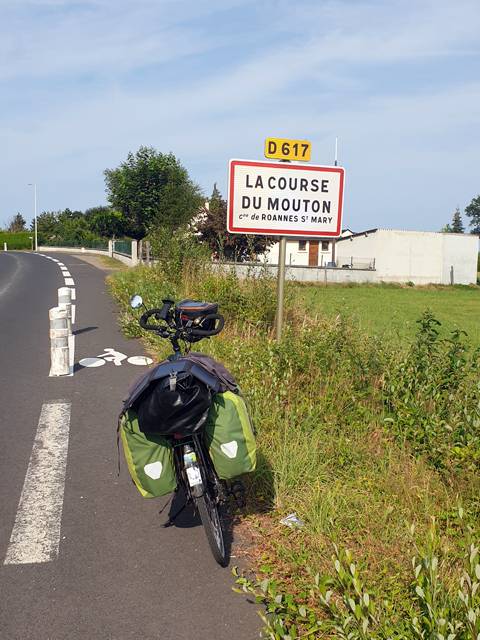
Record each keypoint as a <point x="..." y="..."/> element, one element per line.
<point x="286" y="149"/>
<point x="270" y="198"/>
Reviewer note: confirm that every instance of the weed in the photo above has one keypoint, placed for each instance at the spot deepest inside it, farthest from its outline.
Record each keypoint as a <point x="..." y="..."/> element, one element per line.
<point x="339" y="413"/>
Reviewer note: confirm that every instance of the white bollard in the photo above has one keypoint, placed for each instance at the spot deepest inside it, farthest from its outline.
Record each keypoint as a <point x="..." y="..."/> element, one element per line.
<point x="59" y="351"/>
<point x="65" y="302"/>
<point x="5" y="246"/>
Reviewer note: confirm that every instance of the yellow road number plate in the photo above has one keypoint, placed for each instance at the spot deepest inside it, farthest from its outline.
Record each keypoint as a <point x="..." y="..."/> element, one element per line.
<point x="285" y="149"/>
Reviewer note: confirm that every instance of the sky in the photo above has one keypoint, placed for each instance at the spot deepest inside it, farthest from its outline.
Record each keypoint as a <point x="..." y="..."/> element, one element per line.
<point x="84" y="82"/>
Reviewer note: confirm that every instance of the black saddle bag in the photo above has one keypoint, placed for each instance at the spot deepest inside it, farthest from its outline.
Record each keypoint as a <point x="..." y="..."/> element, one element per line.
<point x="175" y="404"/>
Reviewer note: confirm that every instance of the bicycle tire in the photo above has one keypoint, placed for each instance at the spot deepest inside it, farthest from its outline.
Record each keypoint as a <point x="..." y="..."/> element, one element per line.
<point x="212" y="525"/>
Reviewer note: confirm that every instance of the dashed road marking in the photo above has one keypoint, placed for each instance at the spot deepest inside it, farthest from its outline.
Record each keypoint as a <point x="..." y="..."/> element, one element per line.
<point x="69" y="282"/>
<point x="36" y="533"/>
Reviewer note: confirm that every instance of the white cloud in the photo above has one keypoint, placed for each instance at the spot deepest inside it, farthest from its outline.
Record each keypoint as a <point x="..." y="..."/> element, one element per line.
<point x="287" y="68"/>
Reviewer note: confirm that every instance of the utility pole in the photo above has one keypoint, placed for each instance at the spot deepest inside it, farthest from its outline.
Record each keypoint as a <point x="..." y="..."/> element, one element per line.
<point x="34" y="185"/>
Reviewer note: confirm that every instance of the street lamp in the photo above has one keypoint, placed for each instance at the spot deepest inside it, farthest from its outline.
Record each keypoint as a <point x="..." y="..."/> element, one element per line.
<point x="32" y="184"/>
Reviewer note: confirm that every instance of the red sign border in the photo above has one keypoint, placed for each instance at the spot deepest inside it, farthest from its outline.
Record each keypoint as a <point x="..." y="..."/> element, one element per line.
<point x="292" y="167"/>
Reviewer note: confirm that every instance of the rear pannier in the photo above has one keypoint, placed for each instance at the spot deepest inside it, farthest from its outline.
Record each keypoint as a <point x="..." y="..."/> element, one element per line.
<point x="229" y="436"/>
<point x="149" y="458"/>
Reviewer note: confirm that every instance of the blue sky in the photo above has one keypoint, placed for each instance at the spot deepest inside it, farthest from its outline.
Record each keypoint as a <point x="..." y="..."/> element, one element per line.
<point x="84" y="82"/>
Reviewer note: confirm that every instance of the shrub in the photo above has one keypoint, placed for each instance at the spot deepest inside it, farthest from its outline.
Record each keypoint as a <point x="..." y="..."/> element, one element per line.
<point x="432" y="397"/>
<point x="16" y="241"/>
<point x="319" y="399"/>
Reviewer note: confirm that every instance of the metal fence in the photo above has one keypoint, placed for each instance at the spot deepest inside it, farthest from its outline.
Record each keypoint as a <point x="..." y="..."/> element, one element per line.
<point x="123" y="246"/>
<point x="99" y="244"/>
<point x="350" y="262"/>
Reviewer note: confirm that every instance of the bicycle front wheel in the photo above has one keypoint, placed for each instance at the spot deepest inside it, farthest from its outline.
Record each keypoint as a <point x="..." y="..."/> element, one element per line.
<point x="212" y="524"/>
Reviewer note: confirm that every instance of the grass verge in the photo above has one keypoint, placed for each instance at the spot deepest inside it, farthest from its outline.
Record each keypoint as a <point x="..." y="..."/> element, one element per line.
<point x="365" y="467"/>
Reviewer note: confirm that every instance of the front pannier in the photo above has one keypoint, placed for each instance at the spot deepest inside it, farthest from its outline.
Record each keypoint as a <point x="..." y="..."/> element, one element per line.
<point x="149" y="458"/>
<point x="229" y="436"/>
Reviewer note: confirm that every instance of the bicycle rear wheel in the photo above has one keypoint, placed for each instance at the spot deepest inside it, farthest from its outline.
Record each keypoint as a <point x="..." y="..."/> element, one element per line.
<point x="210" y="516"/>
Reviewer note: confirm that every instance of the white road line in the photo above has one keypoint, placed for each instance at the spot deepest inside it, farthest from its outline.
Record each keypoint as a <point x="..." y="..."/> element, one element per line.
<point x="69" y="282"/>
<point x="36" y="532"/>
<point x="73" y="313"/>
<point x="66" y="274"/>
<point x="74" y="294"/>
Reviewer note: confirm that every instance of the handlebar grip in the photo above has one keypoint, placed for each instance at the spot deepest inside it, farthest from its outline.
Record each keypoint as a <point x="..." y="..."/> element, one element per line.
<point x="143" y="321"/>
<point x="167" y="305"/>
<point x="209" y="332"/>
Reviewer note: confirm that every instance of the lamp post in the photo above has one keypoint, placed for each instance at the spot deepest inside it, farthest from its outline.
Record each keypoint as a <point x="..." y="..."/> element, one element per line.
<point x="34" y="185"/>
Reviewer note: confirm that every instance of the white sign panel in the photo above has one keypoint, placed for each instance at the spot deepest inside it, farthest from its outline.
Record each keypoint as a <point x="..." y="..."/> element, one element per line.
<point x="272" y="198"/>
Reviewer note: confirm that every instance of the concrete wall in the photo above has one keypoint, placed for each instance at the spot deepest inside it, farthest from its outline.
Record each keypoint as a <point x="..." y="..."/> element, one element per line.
<point x="461" y="252"/>
<point x="302" y="273"/>
<point x="130" y="261"/>
<point x="98" y="252"/>
<point x="416" y="256"/>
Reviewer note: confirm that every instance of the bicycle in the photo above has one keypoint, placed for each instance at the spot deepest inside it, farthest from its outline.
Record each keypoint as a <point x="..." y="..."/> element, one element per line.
<point x="193" y="467"/>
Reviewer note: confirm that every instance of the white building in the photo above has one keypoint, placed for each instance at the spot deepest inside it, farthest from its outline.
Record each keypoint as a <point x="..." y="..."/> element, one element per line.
<point x="421" y="257"/>
<point x="384" y="255"/>
<point x="307" y="252"/>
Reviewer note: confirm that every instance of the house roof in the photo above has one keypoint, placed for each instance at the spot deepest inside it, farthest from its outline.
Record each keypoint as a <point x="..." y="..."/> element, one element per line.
<point x="356" y="235"/>
<point x="371" y="231"/>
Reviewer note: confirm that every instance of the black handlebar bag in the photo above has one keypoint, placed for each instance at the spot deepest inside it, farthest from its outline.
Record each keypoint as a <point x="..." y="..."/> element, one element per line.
<point x="175" y="404"/>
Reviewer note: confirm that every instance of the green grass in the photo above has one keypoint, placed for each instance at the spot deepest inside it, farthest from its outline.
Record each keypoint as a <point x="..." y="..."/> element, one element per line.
<point x="392" y="310"/>
<point x="113" y="263"/>
<point x="357" y="460"/>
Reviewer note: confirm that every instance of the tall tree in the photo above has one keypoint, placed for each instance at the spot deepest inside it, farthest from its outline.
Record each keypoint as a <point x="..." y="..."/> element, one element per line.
<point x="152" y="189"/>
<point x="473" y="212"/>
<point x="457" y="222"/>
<point x="17" y="223"/>
<point x="212" y="227"/>
<point x="105" y="222"/>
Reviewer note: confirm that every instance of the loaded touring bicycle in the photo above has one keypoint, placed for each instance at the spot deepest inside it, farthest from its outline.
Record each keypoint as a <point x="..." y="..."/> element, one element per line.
<point x="184" y="425"/>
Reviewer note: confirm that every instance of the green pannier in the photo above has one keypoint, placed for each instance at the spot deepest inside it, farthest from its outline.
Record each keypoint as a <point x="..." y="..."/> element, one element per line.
<point x="229" y="436"/>
<point x="149" y="458"/>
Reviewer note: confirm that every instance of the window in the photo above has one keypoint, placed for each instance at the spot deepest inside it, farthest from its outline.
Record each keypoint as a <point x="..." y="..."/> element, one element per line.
<point x="302" y="245"/>
<point x="325" y="244"/>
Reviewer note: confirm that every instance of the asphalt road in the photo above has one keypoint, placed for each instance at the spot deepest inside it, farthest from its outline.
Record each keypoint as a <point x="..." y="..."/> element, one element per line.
<point x="114" y="572"/>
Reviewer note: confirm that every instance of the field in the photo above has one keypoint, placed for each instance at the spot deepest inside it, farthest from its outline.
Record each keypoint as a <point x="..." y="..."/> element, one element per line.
<point x="373" y="443"/>
<point x="392" y="310"/>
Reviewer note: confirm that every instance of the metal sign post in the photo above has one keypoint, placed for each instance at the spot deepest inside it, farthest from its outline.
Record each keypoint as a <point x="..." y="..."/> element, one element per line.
<point x="280" y="286"/>
<point x="285" y="200"/>
<point x="282" y="257"/>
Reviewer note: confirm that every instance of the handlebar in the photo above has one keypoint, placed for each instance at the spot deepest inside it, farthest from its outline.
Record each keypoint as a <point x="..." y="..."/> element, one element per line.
<point x="170" y="329"/>
<point x="213" y="332"/>
<point x="157" y="313"/>
<point x="167" y="305"/>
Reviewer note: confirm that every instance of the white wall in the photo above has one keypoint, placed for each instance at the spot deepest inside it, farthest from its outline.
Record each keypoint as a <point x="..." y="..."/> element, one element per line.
<point x="295" y="256"/>
<point x="416" y="256"/>
<point x="461" y="252"/>
<point x="303" y="274"/>
<point x="98" y="252"/>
